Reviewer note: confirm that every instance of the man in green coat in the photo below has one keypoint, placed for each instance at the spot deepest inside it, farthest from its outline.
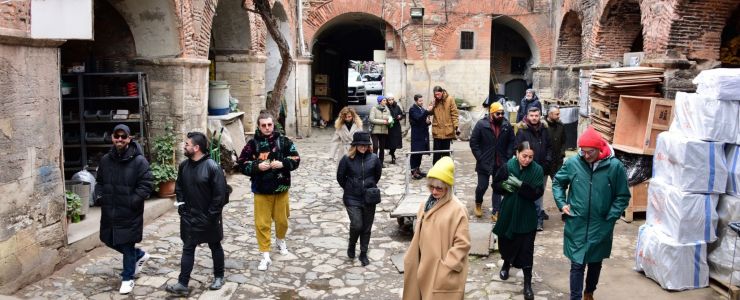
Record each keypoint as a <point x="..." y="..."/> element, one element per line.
<point x="597" y="195"/>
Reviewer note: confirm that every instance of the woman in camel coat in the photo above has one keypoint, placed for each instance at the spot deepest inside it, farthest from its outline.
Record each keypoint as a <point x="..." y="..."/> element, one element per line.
<point x="348" y="122"/>
<point x="436" y="263"/>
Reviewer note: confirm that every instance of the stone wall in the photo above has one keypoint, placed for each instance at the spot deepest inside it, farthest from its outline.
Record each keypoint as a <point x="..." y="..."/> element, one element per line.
<point x="466" y="79"/>
<point x="245" y="74"/>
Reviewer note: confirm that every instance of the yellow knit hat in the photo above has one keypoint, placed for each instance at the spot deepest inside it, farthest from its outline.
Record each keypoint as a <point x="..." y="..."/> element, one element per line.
<point x="496" y="106"/>
<point x="443" y="170"/>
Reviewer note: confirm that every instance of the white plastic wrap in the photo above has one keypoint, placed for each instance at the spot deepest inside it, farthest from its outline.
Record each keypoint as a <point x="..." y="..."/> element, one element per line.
<point x="689" y="164"/>
<point x="720" y="252"/>
<point x="673" y="265"/>
<point x="685" y="217"/>
<point x="733" y="169"/>
<point x="705" y="118"/>
<point x="720" y="84"/>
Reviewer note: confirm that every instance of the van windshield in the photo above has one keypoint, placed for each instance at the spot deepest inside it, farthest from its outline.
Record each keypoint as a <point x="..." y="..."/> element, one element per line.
<point x="373" y="77"/>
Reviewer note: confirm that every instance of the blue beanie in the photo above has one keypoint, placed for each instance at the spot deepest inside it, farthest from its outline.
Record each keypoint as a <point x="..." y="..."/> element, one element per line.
<point x="380" y="98"/>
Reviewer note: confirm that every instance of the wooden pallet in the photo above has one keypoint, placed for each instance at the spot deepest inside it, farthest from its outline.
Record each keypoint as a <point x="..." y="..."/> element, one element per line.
<point x="731" y="292"/>
<point x="638" y="201"/>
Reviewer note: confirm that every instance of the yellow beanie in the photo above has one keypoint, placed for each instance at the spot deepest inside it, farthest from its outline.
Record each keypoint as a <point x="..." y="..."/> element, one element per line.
<point x="443" y="170"/>
<point x="496" y="106"/>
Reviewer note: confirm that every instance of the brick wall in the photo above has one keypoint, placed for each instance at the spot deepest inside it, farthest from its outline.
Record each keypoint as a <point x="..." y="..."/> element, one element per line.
<point x="15" y="15"/>
<point x="569" y="40"/>
<point x="697" y="28"/>
<point x="617" y="28"/>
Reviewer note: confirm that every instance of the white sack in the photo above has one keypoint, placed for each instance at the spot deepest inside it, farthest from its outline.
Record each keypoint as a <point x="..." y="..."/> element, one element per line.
<point x="689" y="164"/>
<point x="705" y="118"/>
<point x="720" y="252"/>
<point x="720" y="84"/>
<point x="733" y="169"/>
<point x="673" y="265"/>
<point x="685" y="217"/>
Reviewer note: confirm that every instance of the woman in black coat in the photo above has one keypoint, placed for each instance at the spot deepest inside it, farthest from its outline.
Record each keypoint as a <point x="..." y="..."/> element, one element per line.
<point x="359" y="170"/>
<point x="419" y="122"/>
<point x="395" y="136"/>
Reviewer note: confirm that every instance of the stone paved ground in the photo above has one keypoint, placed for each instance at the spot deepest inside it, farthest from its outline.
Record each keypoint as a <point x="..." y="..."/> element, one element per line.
<point x="318" y="267"/>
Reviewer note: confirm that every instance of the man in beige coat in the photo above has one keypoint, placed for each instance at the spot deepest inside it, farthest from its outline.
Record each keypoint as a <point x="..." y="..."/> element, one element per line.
<point x="436" y="263"/>
<point x="444" y="122"/>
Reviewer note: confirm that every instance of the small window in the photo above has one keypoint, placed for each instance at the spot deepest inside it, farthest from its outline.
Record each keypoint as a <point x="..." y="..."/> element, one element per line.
<point x="518" y="65"/>
<point x="466" y="39"/>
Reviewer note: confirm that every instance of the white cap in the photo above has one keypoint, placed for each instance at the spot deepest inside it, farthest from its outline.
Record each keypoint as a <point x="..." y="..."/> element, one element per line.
<point x="389" y="95"/>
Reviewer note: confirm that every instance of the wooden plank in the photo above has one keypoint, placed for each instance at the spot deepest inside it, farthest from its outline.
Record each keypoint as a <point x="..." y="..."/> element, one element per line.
<point x="725" y="289"/>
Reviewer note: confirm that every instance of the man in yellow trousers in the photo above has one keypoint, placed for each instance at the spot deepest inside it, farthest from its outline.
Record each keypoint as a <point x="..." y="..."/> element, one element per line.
<point x="268" y="159"/>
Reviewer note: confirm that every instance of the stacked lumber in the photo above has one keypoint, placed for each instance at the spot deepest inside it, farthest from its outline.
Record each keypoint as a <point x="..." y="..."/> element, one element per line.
<point x="608" y="84"/>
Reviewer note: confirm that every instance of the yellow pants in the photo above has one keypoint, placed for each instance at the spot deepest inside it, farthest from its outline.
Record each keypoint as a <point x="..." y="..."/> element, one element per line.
<point x="266" y="209"/>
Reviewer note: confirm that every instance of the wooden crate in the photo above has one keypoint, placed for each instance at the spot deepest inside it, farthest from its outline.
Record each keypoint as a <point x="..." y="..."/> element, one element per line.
<point x="321" y="78"/>
<point x="638" y="202"/>
<point x="725" y="289"/>
<point x="320" y="90"/>
<point x="639" y="121"/>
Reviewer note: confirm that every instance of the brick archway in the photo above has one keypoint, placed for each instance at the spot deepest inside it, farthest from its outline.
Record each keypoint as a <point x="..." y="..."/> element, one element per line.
<point x="699" y="36"/>
<point x="570" y="39"/>
<point x="617" y="28"/>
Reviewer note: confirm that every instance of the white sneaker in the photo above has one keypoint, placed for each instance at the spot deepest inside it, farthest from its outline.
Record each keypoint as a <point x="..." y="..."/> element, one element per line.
<point x="282" y="247"/>
<point x="140" y="263"/>
<point x="126" y="287"/>
<point x="265" y="262"/>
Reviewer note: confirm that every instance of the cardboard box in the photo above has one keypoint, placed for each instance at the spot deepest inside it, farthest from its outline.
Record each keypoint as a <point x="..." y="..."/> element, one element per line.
<point x="321" y="78"/>
<point x="320" y="90"/>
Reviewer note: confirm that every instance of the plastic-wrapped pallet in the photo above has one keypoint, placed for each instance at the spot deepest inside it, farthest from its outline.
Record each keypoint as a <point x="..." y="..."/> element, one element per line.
<point x="705" y="118"/>
<point x="685" y="217"/>
<point x="720" y="84"/>
<point x="673" y="265"/>
<point x="721" y="251"/>
<point x="733" y="169"/>
<point x="689" y="164"/>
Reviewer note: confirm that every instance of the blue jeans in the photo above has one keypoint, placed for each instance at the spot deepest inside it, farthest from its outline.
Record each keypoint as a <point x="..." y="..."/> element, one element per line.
<point x="540" y="212"/>
<point x="130" y="255"/>
<point x="576" y="278"/>
<point x="480" y="190"/>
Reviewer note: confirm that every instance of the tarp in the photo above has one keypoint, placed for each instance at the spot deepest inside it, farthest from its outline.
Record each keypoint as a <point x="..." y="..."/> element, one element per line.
<point x="721" y="84"/>
<point x="685" y="217"/>
<point x="720" y="252"/>
<point x="639" y="167"/>
<point x="673" y="265"/>
<point x="733" y="169"/>
<point x="706" y="118"/>
<point x="690" y="164"/>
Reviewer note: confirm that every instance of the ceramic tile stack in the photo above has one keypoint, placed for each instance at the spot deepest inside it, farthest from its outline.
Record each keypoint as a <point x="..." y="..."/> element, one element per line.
<point x="608" y="84"/>
<point x="691" y="174"/>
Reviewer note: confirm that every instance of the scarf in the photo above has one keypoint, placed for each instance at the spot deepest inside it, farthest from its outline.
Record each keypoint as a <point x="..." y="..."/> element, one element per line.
<point x="525" y="174"/>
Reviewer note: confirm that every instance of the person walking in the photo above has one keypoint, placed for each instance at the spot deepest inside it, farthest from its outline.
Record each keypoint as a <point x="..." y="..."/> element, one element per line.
<point x="530" y="100"/>
<point x="345" y="126"/>
<point x="492" y="144"/>
<point x="436" y="262"/>
<point x="556" y="131"/>
<point x="444" y="123"/>
<point x="597" y="194"/>
<point x="534" y="131"/>
<point x="380" y="117"/>
<point x="124" y="180"/>
<point x="358" y="172"/>
<point x="395" y="137"/>
<point x="522" y="182"/>
<point x="419" y="122"/>
<point x="268" y="159"/>
<point x="201" y="195"/>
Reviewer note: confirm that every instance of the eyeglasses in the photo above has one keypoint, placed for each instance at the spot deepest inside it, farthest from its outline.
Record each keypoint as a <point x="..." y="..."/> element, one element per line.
<point x="437" y="188"/>
<point x="120" y="136"/>
<point x="589" y="152"/>
<point x="498" y="113"/>
<point x="267" y="125"/>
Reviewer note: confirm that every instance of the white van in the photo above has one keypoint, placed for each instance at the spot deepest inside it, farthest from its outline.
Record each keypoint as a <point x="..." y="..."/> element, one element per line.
<point x="355" y="88"/>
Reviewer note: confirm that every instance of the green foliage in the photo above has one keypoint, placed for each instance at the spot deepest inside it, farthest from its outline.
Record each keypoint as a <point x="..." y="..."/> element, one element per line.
<point x="163" y="167"/>
<point x="74" y="206"/>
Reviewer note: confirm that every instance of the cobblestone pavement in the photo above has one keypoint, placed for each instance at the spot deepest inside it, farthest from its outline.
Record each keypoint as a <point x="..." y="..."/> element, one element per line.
<point x="317" y="267"/>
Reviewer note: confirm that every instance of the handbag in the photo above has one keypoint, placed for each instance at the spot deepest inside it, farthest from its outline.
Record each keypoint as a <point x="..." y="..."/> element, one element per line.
<point x="372" y="196"/>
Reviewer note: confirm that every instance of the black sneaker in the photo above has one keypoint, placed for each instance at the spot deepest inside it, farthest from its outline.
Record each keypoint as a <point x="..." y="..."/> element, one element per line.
<point x="178" y="289"/>
<point x="218" y="282"/>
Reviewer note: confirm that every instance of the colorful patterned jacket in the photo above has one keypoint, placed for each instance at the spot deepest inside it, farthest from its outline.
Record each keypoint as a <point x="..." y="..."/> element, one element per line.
<point x="262" y="148"/>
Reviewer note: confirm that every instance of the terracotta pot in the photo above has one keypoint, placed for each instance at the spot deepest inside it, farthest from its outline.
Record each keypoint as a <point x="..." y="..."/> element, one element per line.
<point x="166" y="189"/>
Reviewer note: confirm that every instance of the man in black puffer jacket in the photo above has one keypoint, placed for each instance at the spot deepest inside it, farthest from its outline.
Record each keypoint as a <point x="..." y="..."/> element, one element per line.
<point x="201" y="195"/>
<point x="123" y="182"/>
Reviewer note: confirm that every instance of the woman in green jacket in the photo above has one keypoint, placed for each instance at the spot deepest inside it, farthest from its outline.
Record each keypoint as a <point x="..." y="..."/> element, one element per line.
<point x="597" y="195"/>
<point x="521" y="182"/>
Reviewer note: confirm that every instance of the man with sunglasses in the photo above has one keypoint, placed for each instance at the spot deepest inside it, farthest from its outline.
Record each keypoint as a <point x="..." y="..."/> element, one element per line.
<point x="123" y="182"/>
<point x="492" y="143"/>
<point x="268" y="159"/>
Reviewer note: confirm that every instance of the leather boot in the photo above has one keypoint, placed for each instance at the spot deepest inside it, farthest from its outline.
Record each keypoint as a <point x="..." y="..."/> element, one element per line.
<point x="528" y="293"/>
<point x="478" y="210"/>
<point x="363" y="259"/>
<point x="588" y="296"/>
<point x="352" y="244"/>
<point x="504" y="273"/>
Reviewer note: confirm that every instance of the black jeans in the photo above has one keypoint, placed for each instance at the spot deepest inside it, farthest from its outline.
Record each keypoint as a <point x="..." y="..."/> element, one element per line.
<point x="480" y="190"/>
<point x="130" y="255"/>
<point x="360" y="225"/>
<point x="576" y="278"/>
<point x="441" y="144"/>
<point x="379" y="141"/>
<point x="188" y="258"/>
<point x="415" y="161"/>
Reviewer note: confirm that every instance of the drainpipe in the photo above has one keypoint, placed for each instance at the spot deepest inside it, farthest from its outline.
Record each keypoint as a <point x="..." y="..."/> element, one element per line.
<point x="299" y="7"/>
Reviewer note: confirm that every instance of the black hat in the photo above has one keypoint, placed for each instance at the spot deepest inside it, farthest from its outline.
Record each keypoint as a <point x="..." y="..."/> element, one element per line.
<point x="361" y="138"/>
<point x="122" y="127"/>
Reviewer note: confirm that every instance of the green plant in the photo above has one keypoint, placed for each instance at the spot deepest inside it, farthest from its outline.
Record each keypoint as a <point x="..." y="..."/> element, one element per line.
<point x="163" y="167"/>
<point x="74" y="206"/>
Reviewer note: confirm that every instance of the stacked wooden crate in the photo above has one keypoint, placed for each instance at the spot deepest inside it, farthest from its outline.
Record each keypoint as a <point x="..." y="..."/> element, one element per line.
<point x="608" y="84"/>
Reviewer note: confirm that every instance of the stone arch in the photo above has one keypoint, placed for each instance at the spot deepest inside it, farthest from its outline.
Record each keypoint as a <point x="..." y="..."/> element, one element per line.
<point x="231" y="27"/>
<point x="570" y="39"/>
<point x="730" y="43"/>
<point x="154" y="25"/>
<point x="696" y="29"/>
<point x="531" y="40"/>
<point x="618" y="27"/>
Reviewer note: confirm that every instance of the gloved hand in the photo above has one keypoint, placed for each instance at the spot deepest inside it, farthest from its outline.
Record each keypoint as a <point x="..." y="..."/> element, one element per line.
<point x="513" y="181"/>
<point x="508" y="187"/>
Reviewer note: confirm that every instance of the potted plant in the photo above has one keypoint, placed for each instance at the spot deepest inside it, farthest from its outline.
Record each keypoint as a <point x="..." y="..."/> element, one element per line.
<point x="163" y="167"/>
<point x="74" y="206"/>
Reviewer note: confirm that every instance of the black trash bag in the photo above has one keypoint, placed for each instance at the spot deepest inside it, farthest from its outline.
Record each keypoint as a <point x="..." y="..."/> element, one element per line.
<point x="638" y="167"/>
